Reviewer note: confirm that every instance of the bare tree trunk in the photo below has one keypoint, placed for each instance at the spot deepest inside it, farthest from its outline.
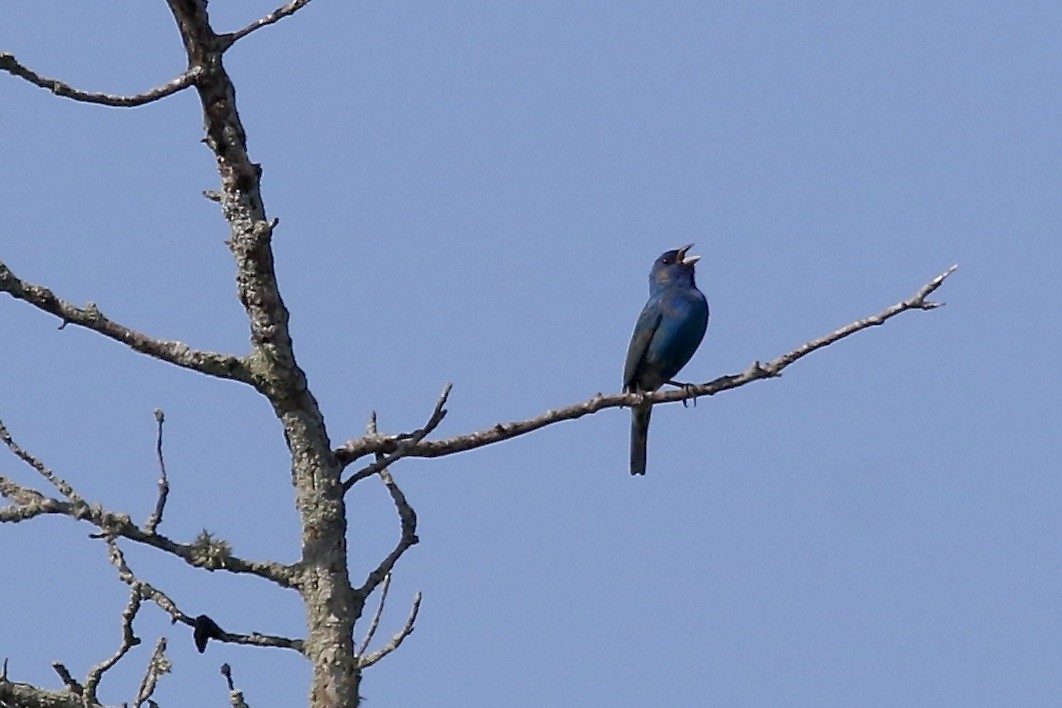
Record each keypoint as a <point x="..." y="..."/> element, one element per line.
<point x="332" y="606"/>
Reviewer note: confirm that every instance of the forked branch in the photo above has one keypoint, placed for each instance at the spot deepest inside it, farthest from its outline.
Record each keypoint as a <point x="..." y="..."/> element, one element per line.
<point x="29" y="503"/>
<point x="129" y="640"/>
<point x="157" y="665"/>
<point x="78" y="695"/>
<point x="149" y="592"/>
<point x="406" y="442"/>
<point x="375" y="622"/>
<point x="396" y="640"/>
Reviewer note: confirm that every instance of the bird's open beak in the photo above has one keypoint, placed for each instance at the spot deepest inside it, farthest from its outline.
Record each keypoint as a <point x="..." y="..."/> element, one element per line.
<point x="687" y="260"/>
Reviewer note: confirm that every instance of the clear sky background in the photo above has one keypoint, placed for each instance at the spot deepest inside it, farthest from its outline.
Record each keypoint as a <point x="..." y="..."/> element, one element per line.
<point x="473" y="193"/>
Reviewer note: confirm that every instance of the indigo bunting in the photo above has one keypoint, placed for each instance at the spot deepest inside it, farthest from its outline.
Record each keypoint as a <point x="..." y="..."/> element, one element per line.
<point x="668" y="332"/>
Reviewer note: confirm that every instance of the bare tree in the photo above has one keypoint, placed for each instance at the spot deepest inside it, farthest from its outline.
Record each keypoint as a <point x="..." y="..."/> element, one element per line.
<point x="321" y="476"/>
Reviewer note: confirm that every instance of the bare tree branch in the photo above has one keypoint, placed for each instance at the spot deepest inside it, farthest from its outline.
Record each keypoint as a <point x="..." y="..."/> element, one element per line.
<point x="69" y="681"/>
<point x="120" y="525"/>
<point x="65" y="489"/>
<point x="408" y="537"/>
<point x="129" y="640"/>
<point x="254" y="639"/>
<point x="150" y="592"/>
<point x="406" y="442"/>
<point x="916" y="302"/>
<point x="152" y="524"/>
<point x="223" y="366"/>
<point x="27" y="502"/>
<point x="145" y="590"/>
<point x="235" y="696"/>
<point x="12" y="66"/>
<point x="375" y="622"/>
<point x="23" y="695"/>
<point x="280" y="13"/>
<point x="397" y="639"/>
<point x="157" y="665"/>
<point x="30" y="503"/>
<point x="390" y="444"/>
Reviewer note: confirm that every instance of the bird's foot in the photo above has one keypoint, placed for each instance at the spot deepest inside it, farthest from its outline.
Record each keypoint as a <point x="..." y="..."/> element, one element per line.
<point x="689" y="389"/>
<point x="639" y="398"/>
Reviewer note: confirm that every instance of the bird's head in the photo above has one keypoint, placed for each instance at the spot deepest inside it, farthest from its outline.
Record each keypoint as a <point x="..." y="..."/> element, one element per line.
<point x="673" y="267"/>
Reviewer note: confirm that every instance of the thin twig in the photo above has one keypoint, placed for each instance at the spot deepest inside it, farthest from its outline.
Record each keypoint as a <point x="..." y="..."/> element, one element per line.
<point x="396" y="640"/>
<point x="59" y="483"/>
<point x="12" y="66"/>
<point x="223" y="366"/>
<point x="376" y="444"/>
<point x="407" y="539"/>
<point x="235" y="696"/>
<point x="916" y="302"/>
<point x="149" y="592"/>
<point x="280" y="13"/>
<point x="376" y="616"/>
<point x="155" y="519"/>
<point x="68" y="680"/>
<point x="226" y="671"/>
<point x="146" y="590"/>
<point x="405" y="443"/>
<point x="157" y="665"/>
<point x="129" y="640"/>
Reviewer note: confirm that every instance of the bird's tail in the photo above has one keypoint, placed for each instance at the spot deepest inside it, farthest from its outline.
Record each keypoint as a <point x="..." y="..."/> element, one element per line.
<point x="639" y="437"/>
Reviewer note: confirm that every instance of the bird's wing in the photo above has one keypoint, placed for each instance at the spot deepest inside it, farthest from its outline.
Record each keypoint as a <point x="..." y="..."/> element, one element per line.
<point x="644" y="330"/>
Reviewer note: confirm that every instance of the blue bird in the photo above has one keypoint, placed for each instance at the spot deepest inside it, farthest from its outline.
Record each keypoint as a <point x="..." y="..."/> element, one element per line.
<point x="668" y="332"/>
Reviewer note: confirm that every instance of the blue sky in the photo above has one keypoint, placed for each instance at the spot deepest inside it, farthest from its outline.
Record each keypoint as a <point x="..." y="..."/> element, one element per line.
<point x="473" y="193"/>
